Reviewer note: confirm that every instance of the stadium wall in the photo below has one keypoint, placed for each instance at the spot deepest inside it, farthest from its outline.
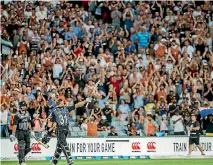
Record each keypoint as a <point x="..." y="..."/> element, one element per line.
<point x="110" y="148"/>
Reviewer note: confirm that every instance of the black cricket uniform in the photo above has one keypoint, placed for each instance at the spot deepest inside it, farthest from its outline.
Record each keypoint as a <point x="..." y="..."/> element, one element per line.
<point x="22" y="121"/>
<point x="60" y="116"/>
<point x="194" y="135"/>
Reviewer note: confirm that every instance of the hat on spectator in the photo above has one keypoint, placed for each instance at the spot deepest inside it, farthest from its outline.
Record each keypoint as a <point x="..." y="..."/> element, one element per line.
<point x="149" y="114"/>
<point x="16" y="89"/>
<point x="92" y="67"/>
<point x="163" y="40"/>
<point x="164" y="116"/>
<point x="169" y="59"/>
<point x="112" y="127"/>
<point x="38" y="88"/>
<point x="38" y="65"/>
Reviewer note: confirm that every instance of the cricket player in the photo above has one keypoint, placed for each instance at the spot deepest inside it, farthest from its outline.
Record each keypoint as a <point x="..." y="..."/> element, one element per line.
<point x="194" y="128"/>
<point x="60" y="116"/>
<point x="22" y="131"/>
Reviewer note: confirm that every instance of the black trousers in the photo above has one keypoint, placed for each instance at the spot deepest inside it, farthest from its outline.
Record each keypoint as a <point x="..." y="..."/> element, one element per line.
<point x="62" y="145"/>
<point x="23" y="138"/>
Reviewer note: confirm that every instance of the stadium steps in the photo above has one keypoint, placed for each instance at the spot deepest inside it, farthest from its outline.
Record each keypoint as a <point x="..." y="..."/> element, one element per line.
<point x="72" y="123"/>
<point x="102" y="133"/>
<point x="82" y="134"/>
<point x="76" y="129"/>
<point x="74" y="134"/>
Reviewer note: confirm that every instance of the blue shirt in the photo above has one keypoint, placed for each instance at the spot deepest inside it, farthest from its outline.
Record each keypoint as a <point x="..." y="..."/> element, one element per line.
<point x="76" y="30"/>
<point x="133" y="37"/>
<point x="48" y="38"/>
<point x="68" y="35"/>
<point x="138" y="125"/>
<point x="124" y="109"/>
<point x="60" y="29"/>
<point x="80" y="35"/>
<point x="101" y="103"/>
<point x="51" y="102"/>
<point x="143" y="39"/>
<point x="128" y="24"/>
<point x="138" y="101"/>
<point x="30" y="96"/>
<point x="130" y="49"/>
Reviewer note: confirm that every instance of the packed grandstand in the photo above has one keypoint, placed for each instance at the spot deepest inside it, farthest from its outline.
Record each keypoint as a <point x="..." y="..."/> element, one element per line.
<point x="134" y="68"/>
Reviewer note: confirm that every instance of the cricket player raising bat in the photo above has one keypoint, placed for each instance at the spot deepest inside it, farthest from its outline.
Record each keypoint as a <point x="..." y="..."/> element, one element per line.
<point x="60" y="116"/>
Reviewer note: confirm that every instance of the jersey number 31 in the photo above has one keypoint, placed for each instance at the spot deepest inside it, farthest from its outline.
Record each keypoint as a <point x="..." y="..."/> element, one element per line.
<point x="63" y="119"/>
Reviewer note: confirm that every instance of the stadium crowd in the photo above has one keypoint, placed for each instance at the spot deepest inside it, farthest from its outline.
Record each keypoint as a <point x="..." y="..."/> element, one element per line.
<point x="146" y="64"/>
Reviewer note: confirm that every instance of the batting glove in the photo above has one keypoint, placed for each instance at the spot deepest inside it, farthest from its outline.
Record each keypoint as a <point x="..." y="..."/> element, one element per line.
<point x="12" y="137"/>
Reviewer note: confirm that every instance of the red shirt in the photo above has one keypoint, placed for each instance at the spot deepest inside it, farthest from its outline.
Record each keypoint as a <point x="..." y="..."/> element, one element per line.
<point x="116" y="84"/>
<point x="78" y="51"/>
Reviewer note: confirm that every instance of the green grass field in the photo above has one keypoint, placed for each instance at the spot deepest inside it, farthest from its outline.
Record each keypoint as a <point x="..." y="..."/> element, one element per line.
<point x="124" y="162"/>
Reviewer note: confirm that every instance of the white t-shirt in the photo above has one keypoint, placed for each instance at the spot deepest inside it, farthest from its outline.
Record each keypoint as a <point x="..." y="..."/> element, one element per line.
<point x="132" y="79"/>
<point x="169" y="67"/>
<point x="164" y="125"/>
<point x="84" y="127"/>
<point x="57" y="69"/>
<point x="209" y="43"/>
<point x="41" y="15"/>
<point x="178" y="126"/>
<point x="189" y="49"/>
<point x="28" y="14"/>
<point x="4" y="117"/>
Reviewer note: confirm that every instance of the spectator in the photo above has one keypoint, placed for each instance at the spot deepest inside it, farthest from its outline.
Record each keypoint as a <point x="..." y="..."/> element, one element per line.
<point x="4" y="120"/>
<point x="84" y="126"/>
<point x="132" y="130"/>
<point x="11" y="126"/>
<point x="138" y="119"/>
<point x="112" y="132"/>
<point x="92" y="127"/>
<point x="178" y="123"/>
<point x="123" y="111"/>
<point x="164" y="125"/>
<point x="37" y="122"/>
<point x="209" y="126"/>
<point x="109" y="113"/>
<point x="116" y="16"/>
<point x="150" y="126"/>
<point x="103" y="124"/>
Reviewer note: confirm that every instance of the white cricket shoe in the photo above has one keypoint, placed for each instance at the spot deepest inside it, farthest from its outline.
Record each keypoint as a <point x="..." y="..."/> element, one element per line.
<point x="23" y="163"/>
<point x="72" y="162"/>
